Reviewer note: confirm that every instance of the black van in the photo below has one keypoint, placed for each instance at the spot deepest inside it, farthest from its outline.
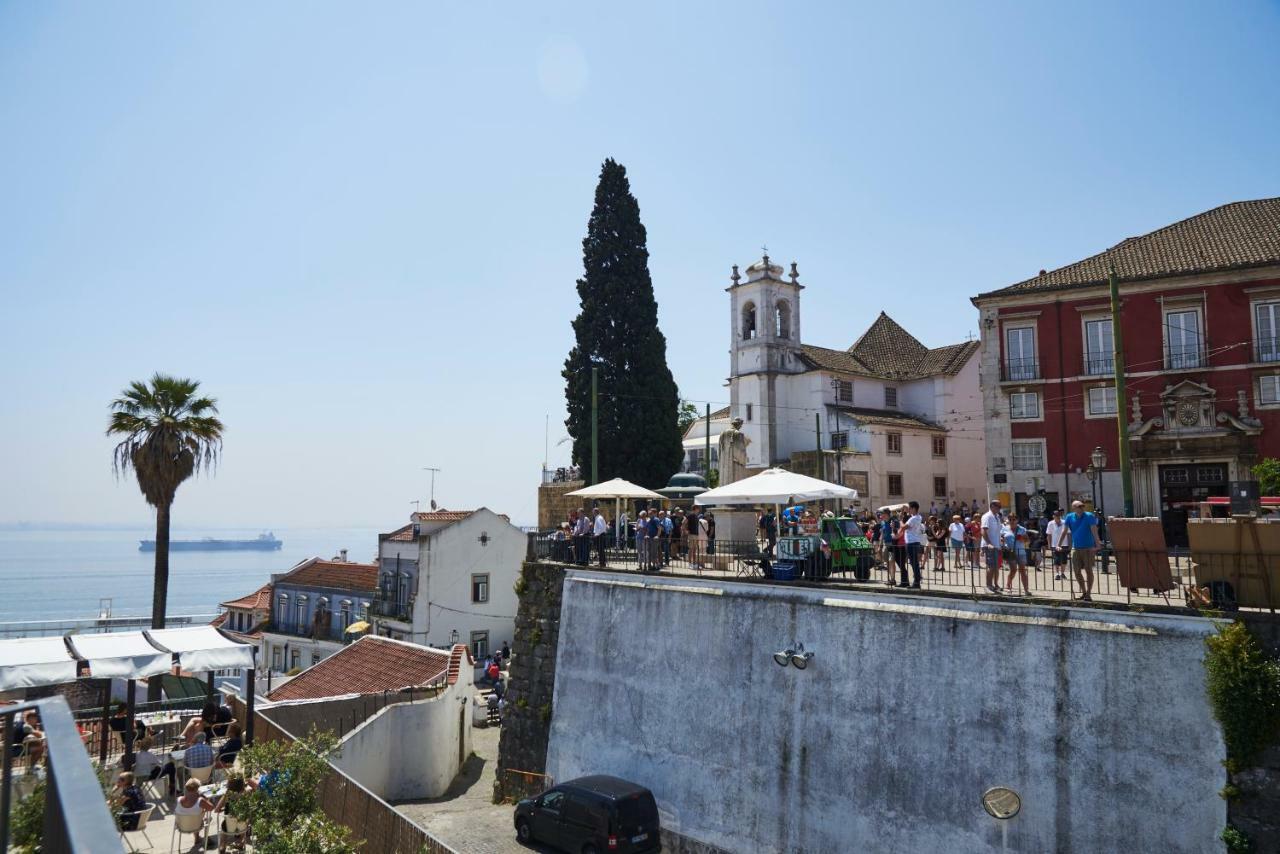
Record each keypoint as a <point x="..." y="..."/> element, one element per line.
<point x="591" y="815"/>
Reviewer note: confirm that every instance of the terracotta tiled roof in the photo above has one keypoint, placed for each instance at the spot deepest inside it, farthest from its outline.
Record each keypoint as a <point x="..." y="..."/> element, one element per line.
<point x="1236" y="236"/>
<point x="890" y="418"/>
<point x="888" y="351"/>
<point x="457" y="656"/>
<point x="258" y="600"/>
<point x="441" y="516"/>
<point x="337" y="575"/>
<point x="371" y="665"/>
<point x="402" y="535"/>
<point x="720" y="413"/>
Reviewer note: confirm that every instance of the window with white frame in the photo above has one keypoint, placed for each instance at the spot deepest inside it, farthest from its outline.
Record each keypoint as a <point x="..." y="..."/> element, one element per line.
<point x="1024" y="405"/>
<point x="1099" y="354"/>
<point x="894" y="442"/>
<point x="1020" y="353"/>
<point x="1102" y="400"/>
<point x="1267" y="328"/>
<point x="1183" y="340"/>
<point x="844" y="391"/>
<point x="1028" y="456"/>
<point x="939" y="487"/>
<point x="891" y="397"/>
<point x="479" y="645"/>
<point x="1269" y="390"/>
<point x="939" y="446"/>
<point x="895" y="485"/>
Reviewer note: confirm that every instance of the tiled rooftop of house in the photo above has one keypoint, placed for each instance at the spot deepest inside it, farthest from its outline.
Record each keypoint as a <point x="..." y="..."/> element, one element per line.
<point x="334" y="574"/>
<point x="1235" y="236"/>
<point x="888" y="351"/>
<point x="258" y="600"/>
<point x="372" y="665"/>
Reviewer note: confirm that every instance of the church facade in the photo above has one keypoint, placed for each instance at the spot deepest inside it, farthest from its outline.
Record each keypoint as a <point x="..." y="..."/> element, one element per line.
<point x="888" y="416"/>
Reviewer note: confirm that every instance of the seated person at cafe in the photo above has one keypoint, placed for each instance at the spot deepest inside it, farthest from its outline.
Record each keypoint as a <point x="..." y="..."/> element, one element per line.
<point x="230" y="748"/>
<point x="128" y="801"/>
<point x="147" y="764"/>
<point x="198" y="755"/>
<point x="230" y="804"/>
<point x="192" y="802"/>
<point x="213" y="720"/>
<point x="120" y="720"/>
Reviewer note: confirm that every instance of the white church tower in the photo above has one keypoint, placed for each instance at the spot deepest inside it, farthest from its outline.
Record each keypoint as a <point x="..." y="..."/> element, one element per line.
<point x="765" y="318"/>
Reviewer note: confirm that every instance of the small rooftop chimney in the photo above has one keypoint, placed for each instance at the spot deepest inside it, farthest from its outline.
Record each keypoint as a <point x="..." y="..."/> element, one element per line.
<point x="342" y="555"/>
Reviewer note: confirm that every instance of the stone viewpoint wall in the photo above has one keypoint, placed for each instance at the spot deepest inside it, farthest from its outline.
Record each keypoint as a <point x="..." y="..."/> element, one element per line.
<point x="912" y="707"/>
<point x="527" y="723"/>
<point x="554" y="505"/>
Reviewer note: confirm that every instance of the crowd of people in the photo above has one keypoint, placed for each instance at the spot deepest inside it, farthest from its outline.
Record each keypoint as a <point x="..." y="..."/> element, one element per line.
<point x="906" y="541"/>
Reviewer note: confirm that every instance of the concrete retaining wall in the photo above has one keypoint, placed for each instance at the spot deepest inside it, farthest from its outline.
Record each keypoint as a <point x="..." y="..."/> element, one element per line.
<point x="910" y="710"/>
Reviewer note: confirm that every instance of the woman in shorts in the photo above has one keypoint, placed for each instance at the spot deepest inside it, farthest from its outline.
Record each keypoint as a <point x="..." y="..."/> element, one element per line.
<point x="1014" y="542"/>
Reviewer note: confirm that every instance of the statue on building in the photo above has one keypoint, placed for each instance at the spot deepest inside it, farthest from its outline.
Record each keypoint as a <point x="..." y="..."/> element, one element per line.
<point x="733" y="453"/>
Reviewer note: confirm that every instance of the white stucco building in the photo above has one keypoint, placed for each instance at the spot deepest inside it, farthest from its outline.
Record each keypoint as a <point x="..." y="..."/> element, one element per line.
<point x="448" y="577"/>
<point x="895" y="418"/>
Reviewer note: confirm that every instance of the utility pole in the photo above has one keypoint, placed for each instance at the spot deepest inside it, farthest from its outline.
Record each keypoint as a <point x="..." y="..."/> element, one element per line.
<point x="817" y="434"/>
<point x="1122" y="398"/>
<point x="707" y="476"/>
<point x="595" y="430"/>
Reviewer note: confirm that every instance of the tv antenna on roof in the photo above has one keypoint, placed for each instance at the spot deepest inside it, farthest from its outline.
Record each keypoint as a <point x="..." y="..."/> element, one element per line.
<point x="433" y="484"/>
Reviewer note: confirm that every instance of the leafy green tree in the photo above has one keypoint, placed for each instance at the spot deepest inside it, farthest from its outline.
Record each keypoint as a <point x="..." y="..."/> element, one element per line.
<point x="617" y="333"/>
<point x="1268" y="474"/>
<point x="688" y="414"/>
<point x="285" y="810"/>
<point x="169" y="433"/>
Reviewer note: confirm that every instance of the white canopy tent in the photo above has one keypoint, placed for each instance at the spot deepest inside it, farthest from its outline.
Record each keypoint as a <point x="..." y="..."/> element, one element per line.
<point x="128" y="655"/>
<point x="35" y="662"/>
<point x="201" y="648"/>
<point x="619" y="490"/>
<point x="774" y="486"/>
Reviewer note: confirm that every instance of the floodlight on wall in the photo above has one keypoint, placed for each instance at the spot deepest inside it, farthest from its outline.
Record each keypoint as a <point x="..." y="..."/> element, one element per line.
<point x="795" y="656"/>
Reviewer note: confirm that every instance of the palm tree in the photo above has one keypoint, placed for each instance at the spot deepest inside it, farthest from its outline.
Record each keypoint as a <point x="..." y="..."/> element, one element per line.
<point x="169" y="434"/>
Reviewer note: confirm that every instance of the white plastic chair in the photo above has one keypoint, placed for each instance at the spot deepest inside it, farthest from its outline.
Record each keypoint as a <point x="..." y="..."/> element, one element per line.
<point x="144" y="815"/>
<point x="204" y="775"/>
<point x="197" y="824"/>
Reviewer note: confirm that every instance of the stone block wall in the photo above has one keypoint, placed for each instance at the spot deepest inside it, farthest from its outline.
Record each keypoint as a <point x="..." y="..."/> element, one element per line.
<point x="527" y="725"/>
<point x="554" y="505"/>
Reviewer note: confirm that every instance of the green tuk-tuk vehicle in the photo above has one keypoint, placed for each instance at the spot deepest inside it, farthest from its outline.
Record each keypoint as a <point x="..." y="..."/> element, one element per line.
<point x="848" y="547"/>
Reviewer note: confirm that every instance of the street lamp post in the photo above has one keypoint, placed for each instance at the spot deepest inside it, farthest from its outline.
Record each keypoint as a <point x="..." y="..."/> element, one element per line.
<point x="1098" y="464"/>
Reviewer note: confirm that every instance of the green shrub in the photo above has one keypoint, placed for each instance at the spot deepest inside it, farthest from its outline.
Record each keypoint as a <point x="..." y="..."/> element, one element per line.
<point x="521" y="586"/>
<point x="26" y="824"/>
<point x="1237" y="841"/>
<point x="1244" y="690"/>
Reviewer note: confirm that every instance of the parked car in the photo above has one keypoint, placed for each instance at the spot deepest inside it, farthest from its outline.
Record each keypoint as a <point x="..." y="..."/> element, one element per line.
<point x="592" y="815"/>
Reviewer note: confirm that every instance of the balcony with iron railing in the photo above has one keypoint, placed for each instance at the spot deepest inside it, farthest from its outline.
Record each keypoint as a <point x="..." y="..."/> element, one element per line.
<point x="391" y="607"/>
<point x="1099" y="364"/>
<point x="1266" y="350"/>
<point x="1019" y="370"/>
<point x="1185" y="357"/>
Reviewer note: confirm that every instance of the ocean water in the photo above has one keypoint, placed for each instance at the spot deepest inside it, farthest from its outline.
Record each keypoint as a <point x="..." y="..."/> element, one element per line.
<point x="62" y="574"/>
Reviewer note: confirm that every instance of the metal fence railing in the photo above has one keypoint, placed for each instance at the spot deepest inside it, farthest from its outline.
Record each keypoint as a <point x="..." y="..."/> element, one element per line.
<point x="75" y="811"/>
<point x="163" y="719"/>
<point x="1174" y="576"/>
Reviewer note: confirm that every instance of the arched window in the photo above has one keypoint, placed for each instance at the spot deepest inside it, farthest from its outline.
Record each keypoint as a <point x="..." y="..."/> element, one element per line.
<point x="782" y="319"/>
<point x="749" y="320"/>
<point x="284" y="608"/>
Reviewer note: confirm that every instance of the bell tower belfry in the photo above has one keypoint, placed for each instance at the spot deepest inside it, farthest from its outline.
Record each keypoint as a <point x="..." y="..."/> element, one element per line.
<point x="764" y="319"/>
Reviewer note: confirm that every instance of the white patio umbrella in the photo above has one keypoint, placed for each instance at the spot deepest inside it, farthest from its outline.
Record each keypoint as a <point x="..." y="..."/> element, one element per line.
<point x="775" y="486"/>
<point x="617" y="489"/>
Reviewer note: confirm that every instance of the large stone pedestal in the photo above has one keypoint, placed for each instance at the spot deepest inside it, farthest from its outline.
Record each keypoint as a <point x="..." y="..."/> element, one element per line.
<point x="735" y="524"/>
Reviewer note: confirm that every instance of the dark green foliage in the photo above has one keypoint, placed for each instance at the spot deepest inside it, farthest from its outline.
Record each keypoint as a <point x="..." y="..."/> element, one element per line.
<point x="1268" y="474"/>
<point x="1237" y="841"/>
<point x="26" y="823"/>
<point x="687" y="415"/>
<point x="617" y="333"/>
<point x="1244" y="690"/>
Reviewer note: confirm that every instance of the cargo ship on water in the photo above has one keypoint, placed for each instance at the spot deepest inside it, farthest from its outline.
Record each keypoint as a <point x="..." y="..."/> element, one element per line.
<point x="262" y="543"/>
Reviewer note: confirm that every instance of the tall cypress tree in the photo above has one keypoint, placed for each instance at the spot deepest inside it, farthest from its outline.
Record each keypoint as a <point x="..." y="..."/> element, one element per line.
<point x="617" y="333"/>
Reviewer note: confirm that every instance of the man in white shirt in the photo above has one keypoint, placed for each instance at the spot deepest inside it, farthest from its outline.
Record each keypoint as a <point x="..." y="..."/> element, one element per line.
<point x="914" y="539"/>
<point x="991" y="527"/>
<point x="598" y="532"/>
<point x="956" y="532"/>
<point x="1052" y="534"/>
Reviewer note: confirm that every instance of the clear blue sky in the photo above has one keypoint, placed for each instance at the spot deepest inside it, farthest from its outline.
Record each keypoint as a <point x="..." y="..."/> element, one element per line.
<point x="359" y="225"/>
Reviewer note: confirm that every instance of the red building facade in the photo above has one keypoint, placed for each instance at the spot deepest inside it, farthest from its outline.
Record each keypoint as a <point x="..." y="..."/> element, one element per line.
<point x="1200" y="315"/>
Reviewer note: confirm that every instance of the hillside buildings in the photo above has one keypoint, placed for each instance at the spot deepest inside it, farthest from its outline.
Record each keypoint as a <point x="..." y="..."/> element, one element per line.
<point x="1201" y="323"/>
<point x="447" y="577"/>
<point x="313" y="606"/>
<point x="894" y="417"/>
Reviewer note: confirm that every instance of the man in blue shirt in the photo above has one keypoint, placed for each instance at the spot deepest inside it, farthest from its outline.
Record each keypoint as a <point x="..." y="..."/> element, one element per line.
<point x="1081" y="527"/>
